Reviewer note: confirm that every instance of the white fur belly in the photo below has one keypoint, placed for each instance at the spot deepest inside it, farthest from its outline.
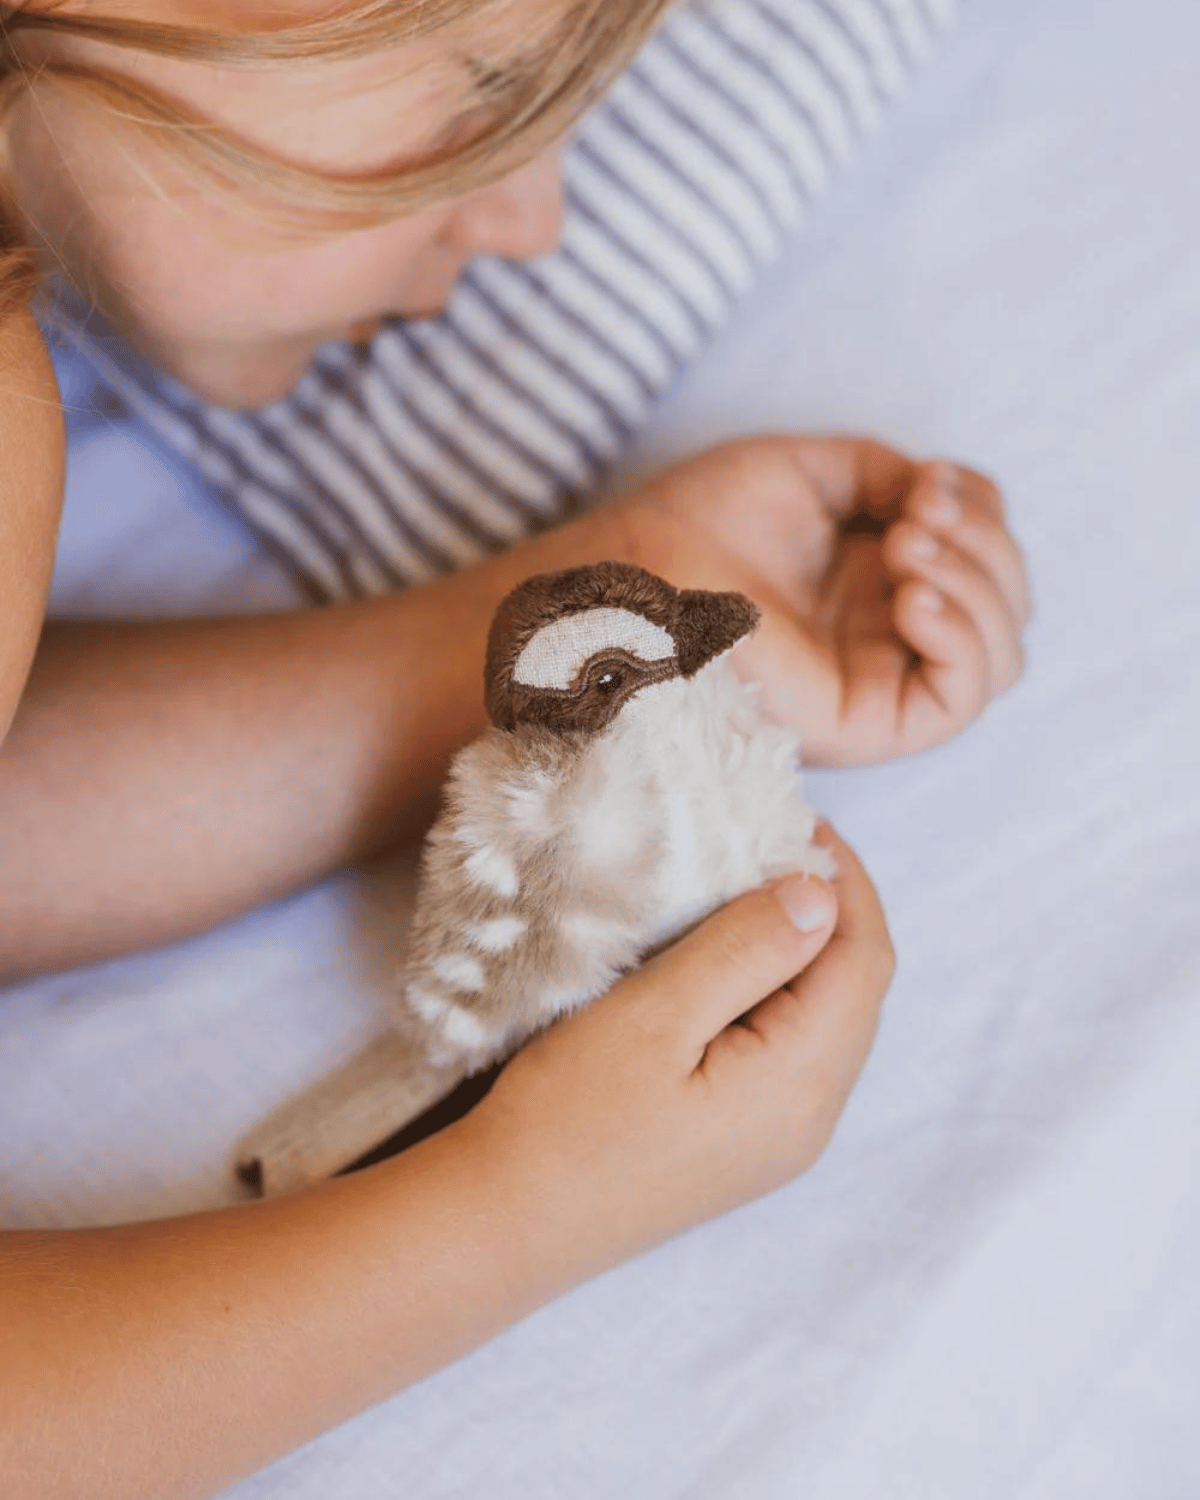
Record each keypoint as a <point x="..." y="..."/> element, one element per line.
<point x="542" y="884"/>
<point x="719" y="797"/>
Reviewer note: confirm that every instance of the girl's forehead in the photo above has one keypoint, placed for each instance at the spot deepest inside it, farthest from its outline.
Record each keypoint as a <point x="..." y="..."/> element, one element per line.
<point x="345" y="114"/>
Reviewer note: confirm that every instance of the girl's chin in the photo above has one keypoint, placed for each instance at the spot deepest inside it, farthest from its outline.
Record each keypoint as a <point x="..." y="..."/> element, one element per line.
<point x="363" y="332"/>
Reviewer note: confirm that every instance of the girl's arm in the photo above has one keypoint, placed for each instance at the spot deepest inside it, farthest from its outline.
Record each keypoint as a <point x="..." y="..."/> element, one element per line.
<point x="162" y="776"/>
<point x="165" y="1360"/>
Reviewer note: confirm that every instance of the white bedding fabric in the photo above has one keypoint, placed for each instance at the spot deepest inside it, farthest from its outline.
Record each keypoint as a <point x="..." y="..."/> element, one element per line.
<point x="990" y="1287"/>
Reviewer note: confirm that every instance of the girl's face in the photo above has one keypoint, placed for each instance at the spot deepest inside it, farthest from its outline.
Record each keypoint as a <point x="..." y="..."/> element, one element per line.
<point x="212" y="291"/>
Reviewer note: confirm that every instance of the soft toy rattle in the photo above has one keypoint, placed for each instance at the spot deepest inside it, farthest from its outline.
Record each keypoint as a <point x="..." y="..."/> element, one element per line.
<point x="629" y="785"/>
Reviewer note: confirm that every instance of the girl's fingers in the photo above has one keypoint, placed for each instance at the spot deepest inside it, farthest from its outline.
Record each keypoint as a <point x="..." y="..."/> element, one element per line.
<point x="958" y="505"/>
<point x="910" y="551"/>
<point x="691" y="991"/>
<point x="951" y="676"/>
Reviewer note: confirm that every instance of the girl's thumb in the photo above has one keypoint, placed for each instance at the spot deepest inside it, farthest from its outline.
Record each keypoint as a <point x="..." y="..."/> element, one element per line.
<point x="738" y="956"/>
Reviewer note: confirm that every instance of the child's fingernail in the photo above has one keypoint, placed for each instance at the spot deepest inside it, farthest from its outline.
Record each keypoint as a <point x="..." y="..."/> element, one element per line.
<point x="921" y="544"/>
<point x="928" y="599"/>
<point x="806" y="902"/>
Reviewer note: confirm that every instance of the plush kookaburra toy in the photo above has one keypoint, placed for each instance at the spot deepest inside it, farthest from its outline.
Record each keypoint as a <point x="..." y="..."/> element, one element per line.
<point x="628" y="786"/>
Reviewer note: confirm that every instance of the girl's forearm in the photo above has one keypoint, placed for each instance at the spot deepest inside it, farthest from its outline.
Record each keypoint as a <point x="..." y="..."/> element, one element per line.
<point x="162" y="776"/>
<point x="168" y="1359"/>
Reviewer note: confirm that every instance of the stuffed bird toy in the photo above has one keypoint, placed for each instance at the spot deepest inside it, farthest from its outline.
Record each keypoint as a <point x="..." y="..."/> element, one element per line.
<point x="628" y="786"/>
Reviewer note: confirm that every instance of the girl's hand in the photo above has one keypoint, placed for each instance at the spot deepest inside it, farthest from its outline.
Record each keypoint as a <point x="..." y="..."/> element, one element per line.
<point x="894" y="597"/>
<point x="713" y="1074"/>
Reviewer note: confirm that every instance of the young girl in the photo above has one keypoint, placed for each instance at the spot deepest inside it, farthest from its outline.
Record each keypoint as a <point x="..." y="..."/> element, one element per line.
<point x="234" y="188"/>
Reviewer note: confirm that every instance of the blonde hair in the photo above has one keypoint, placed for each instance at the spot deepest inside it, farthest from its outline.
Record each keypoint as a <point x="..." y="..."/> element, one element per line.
<point x="531" y="103"/>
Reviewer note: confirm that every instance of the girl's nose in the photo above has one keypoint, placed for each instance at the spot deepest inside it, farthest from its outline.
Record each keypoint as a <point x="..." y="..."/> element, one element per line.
<point x="517" y="218"/>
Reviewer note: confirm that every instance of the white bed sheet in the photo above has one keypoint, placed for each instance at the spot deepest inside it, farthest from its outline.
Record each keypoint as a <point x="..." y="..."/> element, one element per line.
<point x="990" y="1287"/>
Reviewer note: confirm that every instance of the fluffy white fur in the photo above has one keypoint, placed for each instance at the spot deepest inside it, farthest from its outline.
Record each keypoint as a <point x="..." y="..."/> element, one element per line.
<point x="559" y="863"/>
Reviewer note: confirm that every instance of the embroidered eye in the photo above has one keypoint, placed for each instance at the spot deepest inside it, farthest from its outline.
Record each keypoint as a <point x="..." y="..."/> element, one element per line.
<point x="609" y="682"/>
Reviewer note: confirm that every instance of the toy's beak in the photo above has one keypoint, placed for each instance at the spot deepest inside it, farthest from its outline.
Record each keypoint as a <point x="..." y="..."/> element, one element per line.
<point x="710" y="624"/>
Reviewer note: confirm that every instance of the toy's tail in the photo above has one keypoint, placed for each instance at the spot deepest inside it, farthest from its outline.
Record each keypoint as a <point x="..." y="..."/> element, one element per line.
<point x="342" y="1117"/>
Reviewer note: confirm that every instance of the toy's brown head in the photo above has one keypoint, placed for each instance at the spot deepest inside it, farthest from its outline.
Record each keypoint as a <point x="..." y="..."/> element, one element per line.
<point x="568" y="650"/>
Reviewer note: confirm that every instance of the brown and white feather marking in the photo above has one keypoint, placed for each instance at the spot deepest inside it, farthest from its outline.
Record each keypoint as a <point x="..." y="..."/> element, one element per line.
<point x="630" y="786"/>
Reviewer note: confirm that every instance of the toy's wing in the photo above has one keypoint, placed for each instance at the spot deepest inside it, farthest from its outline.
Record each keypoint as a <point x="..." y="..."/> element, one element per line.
<point x="510" y="927"/>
